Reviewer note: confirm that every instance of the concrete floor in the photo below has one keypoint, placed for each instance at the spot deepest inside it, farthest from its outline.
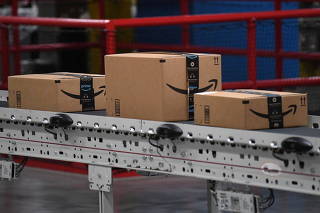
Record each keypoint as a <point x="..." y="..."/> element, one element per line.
<point x="43" y="191"/>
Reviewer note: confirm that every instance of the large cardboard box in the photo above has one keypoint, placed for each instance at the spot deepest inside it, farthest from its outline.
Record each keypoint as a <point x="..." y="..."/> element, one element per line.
<point x="251" y="109"/>
<point x="59" y="92"/>
<point x="154" y="86"/>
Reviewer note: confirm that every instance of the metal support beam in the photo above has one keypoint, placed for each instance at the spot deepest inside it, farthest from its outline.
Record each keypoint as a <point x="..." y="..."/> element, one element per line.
<point x="212" y="202"/>
<point x="100" y="178"/>
<point x="106" y="202"/>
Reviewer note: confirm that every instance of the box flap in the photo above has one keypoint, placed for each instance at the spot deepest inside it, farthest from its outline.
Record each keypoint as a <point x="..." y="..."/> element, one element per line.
<point x="241" y="95"/>
<point x="274" y="92"/>
<point x="231" y="95"/>
<point x="56" y="76"/>
<point x="159" y="55"/>
<point x="144" y="55"/>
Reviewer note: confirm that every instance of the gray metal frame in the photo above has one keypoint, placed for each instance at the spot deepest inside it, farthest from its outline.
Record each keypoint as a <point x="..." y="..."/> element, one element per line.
<point x="220" y="154"/>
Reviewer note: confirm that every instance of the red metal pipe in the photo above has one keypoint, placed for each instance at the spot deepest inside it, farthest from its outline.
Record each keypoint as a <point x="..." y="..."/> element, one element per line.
<point x="184" y="10"/>
<point x="230" y="51"/>
<point x="237" y="85"/>
<point x="4" y="86"/>
<point x="310" y="81"/>
<point x="4" y="36"/>
<point x="252" y="52"/>
<point x="221" y="50"/>
<point x="300" y="55"/>
<point x="103" y="50"/>
<point x="102" y="12"/>
<point x="16" y="39"/>
<point x="59" y="22"/>
<point x="288" y="82"/>
<point x="227" y="17"/>
<point x="285" y="54"/>
<point x="180" y="48"/>
<point x="278" y="41"/>
<point x="55" y="46"/>
<point x="102" y="15"/>
<point x="110" y="39"/>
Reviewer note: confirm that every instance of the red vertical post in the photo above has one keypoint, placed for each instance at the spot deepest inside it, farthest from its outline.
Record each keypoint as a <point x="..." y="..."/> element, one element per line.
<point x="4" y="36"/>
<point x="102" y="15"/>
<point x="102" y="9"/>
<point x="110" y="44"/>
<point x="185" y="36"/>
<point x="110" y="47"/>
<point x="252" y="52"/>
<point x="102" y="12"/>
<point x="16" y="39"/>
<point x="278" y="41"/>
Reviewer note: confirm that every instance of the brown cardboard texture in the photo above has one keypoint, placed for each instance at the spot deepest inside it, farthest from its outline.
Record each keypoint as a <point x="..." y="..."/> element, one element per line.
<point x="251" y="109"/>
<point x="59" y="92"/>
<point x="153" y="86"/>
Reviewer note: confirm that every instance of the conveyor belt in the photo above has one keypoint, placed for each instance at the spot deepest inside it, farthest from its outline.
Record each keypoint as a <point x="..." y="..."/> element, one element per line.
<point x="296" y="131"/>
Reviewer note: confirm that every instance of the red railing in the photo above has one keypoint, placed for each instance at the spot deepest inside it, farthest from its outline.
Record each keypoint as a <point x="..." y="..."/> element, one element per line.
<point x="17" y="49"/>
<point x="251" y="50"/>
<point x="110" y="26"/>
<point x="57" y="22"/>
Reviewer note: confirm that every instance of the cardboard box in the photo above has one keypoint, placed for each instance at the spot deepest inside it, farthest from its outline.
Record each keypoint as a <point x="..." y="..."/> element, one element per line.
<point x="251" y="109"/>
<point x="59" y="92"/>
<point x="154" y="86"/>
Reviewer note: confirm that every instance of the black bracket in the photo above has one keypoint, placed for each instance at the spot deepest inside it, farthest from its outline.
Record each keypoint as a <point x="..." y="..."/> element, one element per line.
<point x="296" y="145"/>
<point x="170" y="131"/>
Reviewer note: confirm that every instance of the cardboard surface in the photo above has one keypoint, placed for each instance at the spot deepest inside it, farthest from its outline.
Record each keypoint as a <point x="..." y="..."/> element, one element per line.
<point x="59" y="92"/>
<point x="254" y="109"/>
<point x="142" y="85"/>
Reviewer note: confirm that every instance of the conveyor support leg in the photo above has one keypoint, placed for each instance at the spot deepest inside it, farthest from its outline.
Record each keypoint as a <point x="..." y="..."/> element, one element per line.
<point x="100" y="178"/>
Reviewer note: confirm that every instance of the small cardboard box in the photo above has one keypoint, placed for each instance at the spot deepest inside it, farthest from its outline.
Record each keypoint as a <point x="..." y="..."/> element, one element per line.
<point x="59" y="92"/>
<point x="154" y="86"/>
<point x="251" y="109"/>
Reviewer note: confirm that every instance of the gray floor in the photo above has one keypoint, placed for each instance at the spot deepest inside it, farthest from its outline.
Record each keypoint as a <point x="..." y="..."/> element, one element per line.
<point x="43" y="191"/>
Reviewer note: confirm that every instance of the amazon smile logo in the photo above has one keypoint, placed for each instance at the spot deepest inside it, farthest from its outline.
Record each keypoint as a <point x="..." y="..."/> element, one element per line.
<point x="79" y="96"/>
<point x="291" y="108"/>
<point x="214" y="82"/>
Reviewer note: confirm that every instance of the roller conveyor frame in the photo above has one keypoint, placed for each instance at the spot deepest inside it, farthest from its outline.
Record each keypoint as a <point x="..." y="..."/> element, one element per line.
<point x="253" y="158"/>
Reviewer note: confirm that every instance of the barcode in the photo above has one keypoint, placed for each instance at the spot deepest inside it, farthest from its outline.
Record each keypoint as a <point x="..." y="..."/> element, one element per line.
<point x="18" y="99"/>
<point x="117" y="107"/>
<point x="206" y="114"/>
